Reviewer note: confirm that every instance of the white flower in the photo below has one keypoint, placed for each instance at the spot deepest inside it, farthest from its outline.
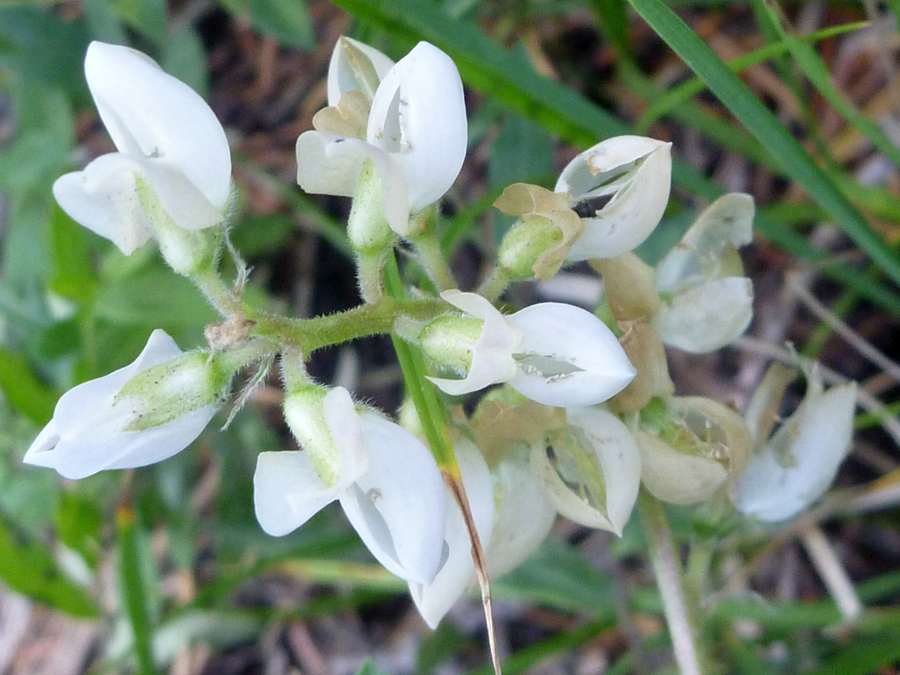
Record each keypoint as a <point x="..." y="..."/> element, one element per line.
<point x="416" y="138"/>
<point x="597" y="471"/>
<point x="457" y="574"/>
<point x="707" y="301"/>
<point x="555" y="354"/>
<point x="90" y="432"/>
<point x="620" y="187"/>
<point x="166" y="136"/>
<point x="342" y="76"/>
<point x="387" y="483"/>
<point x="800" y="460"/>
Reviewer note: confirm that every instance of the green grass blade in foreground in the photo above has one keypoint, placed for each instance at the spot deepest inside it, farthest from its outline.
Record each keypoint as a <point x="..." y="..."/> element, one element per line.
<point x="817" y="73"/>
<point x="682" y="93"/>
<point x="136" y="606"/>
<point x="510" y="80"/>
<point x="766" y="127"/>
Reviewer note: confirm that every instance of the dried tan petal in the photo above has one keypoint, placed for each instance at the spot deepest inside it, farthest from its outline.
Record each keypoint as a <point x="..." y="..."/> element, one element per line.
<point x="348" y="118"/>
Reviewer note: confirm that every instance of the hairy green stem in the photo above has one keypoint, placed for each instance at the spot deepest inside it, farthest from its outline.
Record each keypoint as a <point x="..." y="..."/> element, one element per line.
<point x="307" y="335"/>
<point x="226" y="303"/>
<point x="495" y="284"/>
<point x="667" y="570"/>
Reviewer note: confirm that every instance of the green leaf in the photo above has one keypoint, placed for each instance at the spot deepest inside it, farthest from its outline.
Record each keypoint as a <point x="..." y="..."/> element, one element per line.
<point x="286" y="20"/>
<point x="78" y="525"/>
<point x="678" y="95"/>
<point x="861" y="656"/>
<point x="787" y="151"/>
<point x="817" y="72"/>
<point x="184" y="56"/>
<point x="31" y="570"/>
<point x="134" y="588"/>
<point x="24" y="391"/>
<point x="558" y="576"/>
<point x="73" y="274"/>
<point x="148" y="17"/>
<point x="153" y="297"/>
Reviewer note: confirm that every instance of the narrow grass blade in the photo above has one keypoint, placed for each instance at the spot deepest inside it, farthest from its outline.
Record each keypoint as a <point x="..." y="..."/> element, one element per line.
<point x="766" y="127"/>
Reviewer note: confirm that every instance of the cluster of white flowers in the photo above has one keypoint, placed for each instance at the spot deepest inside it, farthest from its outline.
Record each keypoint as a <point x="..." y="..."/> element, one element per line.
<point x="588" y="415"/>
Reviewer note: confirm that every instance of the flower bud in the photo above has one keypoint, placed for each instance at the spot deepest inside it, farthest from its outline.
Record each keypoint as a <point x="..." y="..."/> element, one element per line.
<point x="126" y="420"/>
<point x="538" y="244"/>
<point x="555" y="354"/>
<point x="524" y="243"/>
<point x="690" y="446"/>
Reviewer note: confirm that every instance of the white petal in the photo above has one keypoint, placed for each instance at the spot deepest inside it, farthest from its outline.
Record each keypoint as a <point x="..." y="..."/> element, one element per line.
<point x="329" y="430"/>
<point x="523" y="520"/>
<point x="287" y="491"/>
<point x="40" y="453"/>
<point x="592" y="363"/>
<point x="618" y="460"/>
<point x="708" y="316"/>
<point x="434" y="600"/>
<point x="419" y="117"/>
<point x="801" y="459"/>
<point x="639" y="197"/>
<point x="398" y="506"/>
<point x="328" y="164"/>
<point x="347" y="430"/>
<point x="728" y="220"/>
<point x="86" y="434"/>
<point x="676" y="477"/>
<point x="492" y="354"/>
<point x="340" y="76"/>
<point x="82" y="456"/>
<point x="151" y="114"/>
<point x="103" y="198"/>
<point x="82" y="410"/>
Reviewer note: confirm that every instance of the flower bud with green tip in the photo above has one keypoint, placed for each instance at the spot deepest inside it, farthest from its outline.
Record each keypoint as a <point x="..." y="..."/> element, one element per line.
<point x="555" y="354"/>
<point x="536" y="245"/>
<point x="141" y="414"/>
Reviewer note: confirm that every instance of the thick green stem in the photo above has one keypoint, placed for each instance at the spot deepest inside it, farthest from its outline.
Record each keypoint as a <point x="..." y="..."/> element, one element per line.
<point x="667" y="570"/>
<point x="307" y="335"/>
<point x="219" y="295"/>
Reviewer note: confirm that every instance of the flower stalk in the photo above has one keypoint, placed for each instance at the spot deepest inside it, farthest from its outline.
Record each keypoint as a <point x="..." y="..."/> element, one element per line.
<point x="667" y="570"/>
